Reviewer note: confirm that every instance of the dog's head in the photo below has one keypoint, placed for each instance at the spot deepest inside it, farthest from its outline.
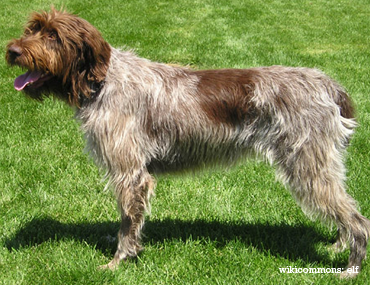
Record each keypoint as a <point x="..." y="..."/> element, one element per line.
<point x="63" y="55"/>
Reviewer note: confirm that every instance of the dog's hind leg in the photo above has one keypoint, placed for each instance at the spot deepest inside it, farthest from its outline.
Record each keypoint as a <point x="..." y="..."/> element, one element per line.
<point x="133" y="201"/>
<point x="316" y="177"/>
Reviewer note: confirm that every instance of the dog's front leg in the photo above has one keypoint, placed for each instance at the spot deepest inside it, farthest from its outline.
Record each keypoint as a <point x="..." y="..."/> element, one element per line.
<point x="133" y="201"/>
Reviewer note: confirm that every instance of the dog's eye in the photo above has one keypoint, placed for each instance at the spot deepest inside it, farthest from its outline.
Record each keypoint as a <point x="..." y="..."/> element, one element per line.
<point x="31" y="30"/>
<point x="52" y="36"/>
<point x="27" y="31"/>
<point x="33" y="27"/>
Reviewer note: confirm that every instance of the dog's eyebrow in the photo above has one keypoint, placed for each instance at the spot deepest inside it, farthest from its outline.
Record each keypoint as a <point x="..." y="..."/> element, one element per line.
<point x="33" y="26"/>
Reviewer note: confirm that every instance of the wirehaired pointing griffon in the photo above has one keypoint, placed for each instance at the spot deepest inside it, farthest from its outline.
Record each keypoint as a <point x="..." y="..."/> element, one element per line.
<point x="142" y="118"/>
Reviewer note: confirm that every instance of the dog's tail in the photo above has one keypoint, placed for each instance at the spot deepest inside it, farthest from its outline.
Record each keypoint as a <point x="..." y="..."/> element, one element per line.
<point x="339" y="96"/>
<point x="345" y="103"/>
<point x="347" y="113"/>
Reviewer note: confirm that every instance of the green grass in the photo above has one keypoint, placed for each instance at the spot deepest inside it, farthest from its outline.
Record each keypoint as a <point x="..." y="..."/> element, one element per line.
<point x="235" y="227"/>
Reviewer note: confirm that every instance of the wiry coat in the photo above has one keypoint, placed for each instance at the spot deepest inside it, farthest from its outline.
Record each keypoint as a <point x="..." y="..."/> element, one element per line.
<point x="141" y="118"/>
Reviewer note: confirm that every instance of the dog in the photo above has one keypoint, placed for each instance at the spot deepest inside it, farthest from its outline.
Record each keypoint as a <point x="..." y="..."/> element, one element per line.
<point x="142" y="118"/>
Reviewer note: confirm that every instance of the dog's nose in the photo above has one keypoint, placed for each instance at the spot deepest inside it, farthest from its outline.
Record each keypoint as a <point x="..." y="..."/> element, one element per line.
<point x="16" y="50"/>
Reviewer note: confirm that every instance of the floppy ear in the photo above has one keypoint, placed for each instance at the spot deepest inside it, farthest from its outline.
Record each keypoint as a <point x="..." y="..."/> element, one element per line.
<point x="97" y="55"/>
<point x="91" y="65"/>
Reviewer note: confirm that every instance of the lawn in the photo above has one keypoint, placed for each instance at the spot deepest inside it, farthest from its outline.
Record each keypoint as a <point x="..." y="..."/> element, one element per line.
<point x="219" y="227"/>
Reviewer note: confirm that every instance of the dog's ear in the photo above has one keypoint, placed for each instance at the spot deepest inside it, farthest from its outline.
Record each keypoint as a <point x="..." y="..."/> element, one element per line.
<point x="93" y="61"/>
<point x="97" y="55"/>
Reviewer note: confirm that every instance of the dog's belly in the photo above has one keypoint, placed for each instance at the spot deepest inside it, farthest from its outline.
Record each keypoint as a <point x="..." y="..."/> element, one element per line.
<point x="195" y="156"/>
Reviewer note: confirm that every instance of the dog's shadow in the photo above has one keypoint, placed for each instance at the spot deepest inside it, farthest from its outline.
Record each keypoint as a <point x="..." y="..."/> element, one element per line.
<point x="290" y="242"/>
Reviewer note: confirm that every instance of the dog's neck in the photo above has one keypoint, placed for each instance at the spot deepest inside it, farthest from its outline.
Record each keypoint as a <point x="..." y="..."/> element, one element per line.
<point x="96" y="88"/>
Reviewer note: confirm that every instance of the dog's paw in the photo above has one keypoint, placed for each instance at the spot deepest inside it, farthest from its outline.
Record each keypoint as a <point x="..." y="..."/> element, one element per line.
<point x="348" y="274"/>
<point x="113" y="265"/>
<point x="337" y="247"/>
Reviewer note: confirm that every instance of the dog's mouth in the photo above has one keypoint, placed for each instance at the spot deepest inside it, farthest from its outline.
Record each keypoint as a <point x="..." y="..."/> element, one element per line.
<point x="31" y="79"/>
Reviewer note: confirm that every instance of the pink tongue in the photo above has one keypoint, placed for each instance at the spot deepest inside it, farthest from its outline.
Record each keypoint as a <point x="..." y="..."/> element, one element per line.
<point x="25" y="79"/>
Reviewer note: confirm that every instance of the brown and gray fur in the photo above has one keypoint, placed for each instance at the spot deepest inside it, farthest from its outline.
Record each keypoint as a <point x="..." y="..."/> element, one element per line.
<point x="142" y="118"/>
